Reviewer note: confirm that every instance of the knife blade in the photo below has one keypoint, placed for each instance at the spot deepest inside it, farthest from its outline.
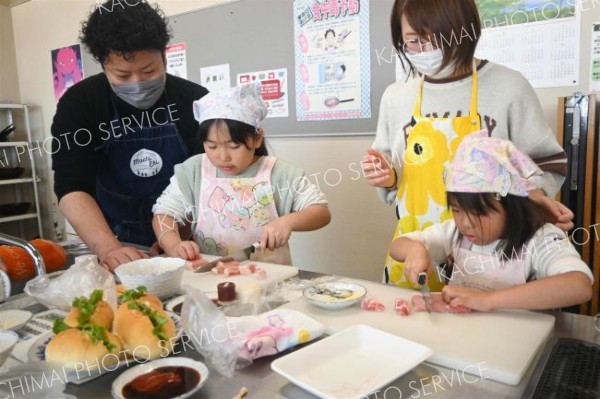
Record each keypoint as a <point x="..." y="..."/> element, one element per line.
<point x="241" y="255"/>
<point x="422" y="280"/>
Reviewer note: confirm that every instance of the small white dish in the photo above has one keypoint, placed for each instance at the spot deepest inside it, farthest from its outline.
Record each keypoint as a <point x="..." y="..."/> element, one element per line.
<point x="321" y="295"/>
<point x="14" y="319"/>
<point x="8" y="340"/>
<point x="131" y="374"/>
<point x="160" y="276"/>
<point x="328" y="368"/>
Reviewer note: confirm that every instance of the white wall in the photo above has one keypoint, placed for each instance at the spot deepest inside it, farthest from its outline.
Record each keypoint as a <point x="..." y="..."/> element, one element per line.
<point x="355" y="242"/>
<point x="9" y="82"/>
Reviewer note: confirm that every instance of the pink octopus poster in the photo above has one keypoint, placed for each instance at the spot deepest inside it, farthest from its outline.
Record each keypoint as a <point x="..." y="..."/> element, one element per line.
<point x="67" y="68"/>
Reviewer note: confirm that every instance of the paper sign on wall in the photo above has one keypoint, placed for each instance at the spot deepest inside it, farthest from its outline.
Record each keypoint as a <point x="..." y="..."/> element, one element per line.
<point x="67" y="68"/>
<point x="333" y="62"/>
<point x="176" y="60"/>
<point x="274" y="89"/>
<point x="534" y="37"/>
<point x="595" y="59"/>
<point x="215" y="77"/>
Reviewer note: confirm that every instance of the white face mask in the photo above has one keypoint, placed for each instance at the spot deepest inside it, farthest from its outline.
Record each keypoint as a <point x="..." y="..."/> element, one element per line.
<point x="428" y="63"/>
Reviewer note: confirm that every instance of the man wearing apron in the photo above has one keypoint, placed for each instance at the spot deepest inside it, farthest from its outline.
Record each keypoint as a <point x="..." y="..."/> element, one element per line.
<point x="118" y="135"/>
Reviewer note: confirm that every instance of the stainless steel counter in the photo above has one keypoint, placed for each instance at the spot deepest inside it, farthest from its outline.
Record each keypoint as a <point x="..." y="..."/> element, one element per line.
<point x="424" y="381"/>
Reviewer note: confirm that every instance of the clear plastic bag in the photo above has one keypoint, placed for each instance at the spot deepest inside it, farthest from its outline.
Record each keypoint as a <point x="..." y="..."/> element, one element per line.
<point x="79" y="280"/>
<point x="230" y="343"/>
<point x="209" y="331"/>
<point x="33" y="380"/>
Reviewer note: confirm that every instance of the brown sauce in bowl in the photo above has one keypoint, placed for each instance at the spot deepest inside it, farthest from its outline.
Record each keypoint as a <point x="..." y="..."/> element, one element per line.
<point x="162" y="383"/>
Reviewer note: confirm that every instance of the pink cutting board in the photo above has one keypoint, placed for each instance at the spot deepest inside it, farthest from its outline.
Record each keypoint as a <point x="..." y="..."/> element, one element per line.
<point x="207" y="282"/>
<point x="502" y="344"/>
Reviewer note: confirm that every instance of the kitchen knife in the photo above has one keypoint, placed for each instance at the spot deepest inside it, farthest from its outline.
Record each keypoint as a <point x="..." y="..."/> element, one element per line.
<point x="422" y="280"/>
<point x="240" y="255"/>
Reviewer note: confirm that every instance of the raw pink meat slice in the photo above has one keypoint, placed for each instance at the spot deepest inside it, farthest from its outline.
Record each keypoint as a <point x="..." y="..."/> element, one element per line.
<point x="401" y="307"/>
<point x="372" y="304"/>
<point x="437" y="304"/>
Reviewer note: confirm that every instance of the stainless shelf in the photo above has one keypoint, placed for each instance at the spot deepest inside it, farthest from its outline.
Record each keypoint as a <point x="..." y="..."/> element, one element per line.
<point x="18" y="217"/>
<point x="10" y="111"/>
<point x="18" y="181"/>
<point x="14" y="144"/>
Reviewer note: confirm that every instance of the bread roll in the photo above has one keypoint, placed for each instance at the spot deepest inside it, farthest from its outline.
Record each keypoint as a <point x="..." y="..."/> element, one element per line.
<point x="135" y="330"/>
<point x="102" y="316"/>
<point x="73" y="349"/>
<point x="152" y="301"/>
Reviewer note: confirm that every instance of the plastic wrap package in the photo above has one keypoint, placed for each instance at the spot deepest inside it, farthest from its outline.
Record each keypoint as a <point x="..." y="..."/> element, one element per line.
<point x="229" y="343"/>
<point x="209" y="331"/>
<point x="33" y="380"/>
<point x="79" y="280"/>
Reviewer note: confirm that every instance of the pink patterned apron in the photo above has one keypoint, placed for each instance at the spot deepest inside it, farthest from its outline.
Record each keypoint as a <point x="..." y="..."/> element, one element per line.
<point x="233" y="210"/>
<point x="487" y="272"/>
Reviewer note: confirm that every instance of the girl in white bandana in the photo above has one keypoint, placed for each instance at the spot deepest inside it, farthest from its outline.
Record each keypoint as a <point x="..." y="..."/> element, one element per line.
<point x="235" y="194"/>
<point x="505" y="255"/>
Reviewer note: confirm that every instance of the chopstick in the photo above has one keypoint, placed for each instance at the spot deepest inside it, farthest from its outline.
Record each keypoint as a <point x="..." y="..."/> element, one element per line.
<point x="243" y="392"/>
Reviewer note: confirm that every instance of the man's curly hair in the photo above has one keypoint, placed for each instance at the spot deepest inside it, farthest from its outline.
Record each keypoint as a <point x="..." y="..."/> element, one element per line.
<point x="124" y="27"/>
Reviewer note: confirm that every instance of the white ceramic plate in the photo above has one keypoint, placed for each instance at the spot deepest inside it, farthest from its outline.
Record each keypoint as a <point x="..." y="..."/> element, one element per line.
<point x="129" y="375"/>
<point x="318" y="295"/>
<point x="14" y="319"/>
<point x="352" y="363"/>
<point x="37" y="352"/>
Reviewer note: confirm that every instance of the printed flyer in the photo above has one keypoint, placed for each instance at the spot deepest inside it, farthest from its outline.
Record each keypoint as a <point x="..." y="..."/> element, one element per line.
<point x="274" y="89"/>
<point x="332" y="50"/>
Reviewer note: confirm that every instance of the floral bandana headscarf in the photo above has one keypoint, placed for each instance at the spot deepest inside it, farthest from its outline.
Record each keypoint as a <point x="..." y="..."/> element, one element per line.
<point x="242" y="103"/>
<point x="489" y="165"/>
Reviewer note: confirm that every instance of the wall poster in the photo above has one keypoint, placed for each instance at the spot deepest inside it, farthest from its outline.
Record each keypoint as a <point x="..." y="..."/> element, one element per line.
<point x="332" y="56"/>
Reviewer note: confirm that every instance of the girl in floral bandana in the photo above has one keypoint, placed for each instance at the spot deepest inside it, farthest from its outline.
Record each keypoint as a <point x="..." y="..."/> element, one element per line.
<point x="505" y="254"/>
<point x="235" y="194"/>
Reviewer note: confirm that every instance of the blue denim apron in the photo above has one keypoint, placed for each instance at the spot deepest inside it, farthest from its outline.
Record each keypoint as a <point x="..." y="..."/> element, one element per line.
<point x="133" y="170"/>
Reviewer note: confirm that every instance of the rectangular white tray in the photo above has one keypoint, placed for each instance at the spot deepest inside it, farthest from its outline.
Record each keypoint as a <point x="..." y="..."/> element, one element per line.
<point x="351" y="363"/>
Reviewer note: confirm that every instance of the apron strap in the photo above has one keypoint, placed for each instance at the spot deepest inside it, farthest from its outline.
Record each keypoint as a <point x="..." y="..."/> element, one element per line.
<point x="208" y="169"/>
<point x="266" y="166"/>
<point x="474" y="101"/>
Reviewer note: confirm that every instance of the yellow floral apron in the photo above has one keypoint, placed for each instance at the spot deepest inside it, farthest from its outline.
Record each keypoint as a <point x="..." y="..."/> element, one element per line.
<point x="421" y="199"/>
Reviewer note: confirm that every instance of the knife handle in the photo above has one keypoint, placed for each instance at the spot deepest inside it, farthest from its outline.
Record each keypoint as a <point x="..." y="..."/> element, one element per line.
<point x="422" y="279"/>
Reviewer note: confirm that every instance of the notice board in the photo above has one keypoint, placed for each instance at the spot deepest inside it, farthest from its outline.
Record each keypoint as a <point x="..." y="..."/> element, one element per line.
<point x="255" y="35"/>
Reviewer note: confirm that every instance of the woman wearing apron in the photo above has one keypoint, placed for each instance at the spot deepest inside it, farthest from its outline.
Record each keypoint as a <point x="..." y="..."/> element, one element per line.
<point x="448" y="95"/>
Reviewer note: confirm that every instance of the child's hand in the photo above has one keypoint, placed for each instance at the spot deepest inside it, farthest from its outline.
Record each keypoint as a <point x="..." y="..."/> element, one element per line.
<point x="188" y="250"/>
<point x="275" y="234"/>
<point x="467" y="297"/>
<point x="417" y="261"/>
<point x="377" y="169"/>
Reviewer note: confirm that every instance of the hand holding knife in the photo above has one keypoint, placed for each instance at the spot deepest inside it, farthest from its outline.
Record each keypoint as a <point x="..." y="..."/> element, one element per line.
<point x="422" y="280"/>
<point x="240" y="255"/>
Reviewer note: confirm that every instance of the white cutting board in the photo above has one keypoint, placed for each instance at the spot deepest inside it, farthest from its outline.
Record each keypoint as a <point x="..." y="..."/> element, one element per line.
<point x="501" y="344"/>
<point x="207" y="282"/>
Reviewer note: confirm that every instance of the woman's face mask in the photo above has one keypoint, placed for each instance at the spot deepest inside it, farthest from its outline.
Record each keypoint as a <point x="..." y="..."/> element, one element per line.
<point x="141" y="95"/>
<point x="429" y="62"/>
